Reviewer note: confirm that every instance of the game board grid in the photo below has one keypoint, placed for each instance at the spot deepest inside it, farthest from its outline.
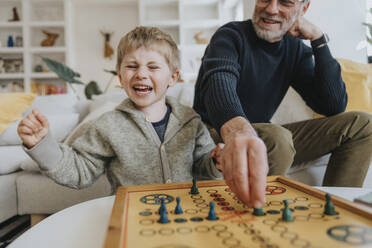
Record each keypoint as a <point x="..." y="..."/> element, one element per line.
<point x="228" y="214"/>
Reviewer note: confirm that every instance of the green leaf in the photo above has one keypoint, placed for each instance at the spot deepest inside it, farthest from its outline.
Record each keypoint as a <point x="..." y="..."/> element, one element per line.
<point x="369" y="27"/>
<point x="91" y="89"/>
<point x="369" y="40"/>
<point x="62" y="71"/>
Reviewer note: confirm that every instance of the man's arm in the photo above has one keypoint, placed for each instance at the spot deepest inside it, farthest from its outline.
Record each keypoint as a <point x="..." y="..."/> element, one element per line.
<point x="320" y="85"/>
<point x="244" y="158"/>
<point x="244" y="161"/>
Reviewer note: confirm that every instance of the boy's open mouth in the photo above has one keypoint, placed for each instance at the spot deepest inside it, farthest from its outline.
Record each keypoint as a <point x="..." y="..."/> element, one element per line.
<point x="142" y="89"/>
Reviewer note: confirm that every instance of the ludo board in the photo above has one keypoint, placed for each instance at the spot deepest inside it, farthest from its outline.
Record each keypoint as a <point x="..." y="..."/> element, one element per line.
<point x="134" y="218"/>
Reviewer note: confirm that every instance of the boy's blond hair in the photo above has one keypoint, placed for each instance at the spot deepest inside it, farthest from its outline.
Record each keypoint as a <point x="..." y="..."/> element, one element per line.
<point x="151" y="38"/>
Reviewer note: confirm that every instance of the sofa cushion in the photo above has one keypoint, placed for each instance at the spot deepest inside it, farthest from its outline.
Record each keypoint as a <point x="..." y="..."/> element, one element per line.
<point x="8" y="196"/>
<point x="55" y="104"/>
<point x="60" y="126"/>
<point x="38" y="194"/>
<point x="11" y="158"/>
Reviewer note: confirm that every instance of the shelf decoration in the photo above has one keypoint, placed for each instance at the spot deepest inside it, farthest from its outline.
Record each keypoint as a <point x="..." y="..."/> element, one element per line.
<point x="15" y="15"/>
<point x="108" y="52"/>
<point x="200" y="40"/>
<point x="13" y="65"/>
<point x="12" y="86"/>
<point x="2" y="66"/>
<point x="50" y="39"/>
<point x="18" y="41"/>
<point x="10" y="41"/>
<point x="43" y="89"/>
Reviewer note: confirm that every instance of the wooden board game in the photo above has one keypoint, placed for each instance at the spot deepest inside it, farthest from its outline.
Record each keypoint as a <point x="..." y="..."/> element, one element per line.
<point x="134" y="219"/>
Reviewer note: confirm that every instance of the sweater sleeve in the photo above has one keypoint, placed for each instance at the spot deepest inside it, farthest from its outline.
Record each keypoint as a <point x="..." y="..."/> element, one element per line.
<point x="320" y="83"/>
<point x="203" y="167"/>
<point x="77" y="166"/>
<point x="221" y="73"/>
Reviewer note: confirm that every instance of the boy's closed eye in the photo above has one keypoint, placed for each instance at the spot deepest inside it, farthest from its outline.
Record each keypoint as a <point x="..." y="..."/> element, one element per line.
<point x="131" y="66"/>
<point x="153" y="67"/>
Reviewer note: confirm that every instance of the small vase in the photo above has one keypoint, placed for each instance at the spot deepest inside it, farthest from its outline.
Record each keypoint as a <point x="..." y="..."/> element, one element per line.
<point x="10" y="41"/>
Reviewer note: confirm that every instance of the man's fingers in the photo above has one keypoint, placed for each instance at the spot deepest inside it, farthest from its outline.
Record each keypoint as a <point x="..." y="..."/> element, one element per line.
<point x="240" y="172"/>
<point x="258" y="170"/>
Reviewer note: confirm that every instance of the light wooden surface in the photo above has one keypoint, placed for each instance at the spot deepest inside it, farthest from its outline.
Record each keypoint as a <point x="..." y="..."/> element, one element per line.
<point x="36" y="218"/>
<point x="239" y="227"/>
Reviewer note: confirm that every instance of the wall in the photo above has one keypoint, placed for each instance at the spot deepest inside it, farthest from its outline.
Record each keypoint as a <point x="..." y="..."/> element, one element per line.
<point x="341" y="20"/>
<point x="88" y="42"/>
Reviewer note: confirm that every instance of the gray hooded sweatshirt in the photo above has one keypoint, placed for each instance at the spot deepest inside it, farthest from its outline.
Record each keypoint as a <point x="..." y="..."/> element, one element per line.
<point x="125" y="145"/>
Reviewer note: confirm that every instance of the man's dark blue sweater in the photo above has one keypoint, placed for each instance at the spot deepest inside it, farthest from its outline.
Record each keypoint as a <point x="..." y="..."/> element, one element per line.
<point x="243" y="75"/>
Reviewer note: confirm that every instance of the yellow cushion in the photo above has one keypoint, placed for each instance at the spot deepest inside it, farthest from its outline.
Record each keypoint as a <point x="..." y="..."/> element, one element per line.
<point x="12" y="105"/>
<point x="358" y="81"/>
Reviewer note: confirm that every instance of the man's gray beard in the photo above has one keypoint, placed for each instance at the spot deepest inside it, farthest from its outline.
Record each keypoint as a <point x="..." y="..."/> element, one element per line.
<point x="273" y="35"/>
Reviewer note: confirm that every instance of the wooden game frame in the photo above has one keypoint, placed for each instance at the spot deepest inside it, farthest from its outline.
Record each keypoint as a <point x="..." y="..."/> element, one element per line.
<point x="115" y="236"/>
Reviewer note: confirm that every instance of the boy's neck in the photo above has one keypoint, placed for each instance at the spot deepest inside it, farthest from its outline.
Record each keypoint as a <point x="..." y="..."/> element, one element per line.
<point x="155" y="112"/>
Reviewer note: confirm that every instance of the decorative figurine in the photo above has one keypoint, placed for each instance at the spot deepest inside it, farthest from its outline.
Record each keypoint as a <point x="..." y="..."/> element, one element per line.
<point x="10" y="41"/>
<point x="200" y="40"/>
<point x="108" y="52"/>
<point x="15" y="15"/>
<point x="50" y="39"/>
<point x="19" y="41"/>
<point x="38" y="68"/>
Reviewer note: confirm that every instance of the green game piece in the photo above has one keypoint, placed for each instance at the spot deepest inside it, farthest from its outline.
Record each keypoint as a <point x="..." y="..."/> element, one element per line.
<point x="194" y="188"/>
<point x="258" y="212"/>
<point x="329" y="208"/>
<point x="287" y="213"/>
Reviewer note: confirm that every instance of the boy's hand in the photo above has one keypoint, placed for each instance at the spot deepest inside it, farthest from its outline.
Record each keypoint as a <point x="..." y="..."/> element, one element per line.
<point x="33" y="128"/>
<point x="216" y="154"/>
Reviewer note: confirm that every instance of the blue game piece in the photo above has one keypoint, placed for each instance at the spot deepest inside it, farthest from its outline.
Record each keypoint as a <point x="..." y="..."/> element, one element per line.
<point x="162" y="206"/>
<point x="212" y="213"/>
<point x="163" y="217"/>
<point x="178" y="209"/>
<point x="194" y="188"/>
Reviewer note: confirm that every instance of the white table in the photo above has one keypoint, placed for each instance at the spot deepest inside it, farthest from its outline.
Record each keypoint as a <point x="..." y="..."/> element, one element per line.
<point x="84" y="225"/>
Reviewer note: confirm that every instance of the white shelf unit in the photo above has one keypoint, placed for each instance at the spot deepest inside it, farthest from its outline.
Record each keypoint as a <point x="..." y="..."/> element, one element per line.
<point x="35" y="15"/>
<point x="182" y="19"/>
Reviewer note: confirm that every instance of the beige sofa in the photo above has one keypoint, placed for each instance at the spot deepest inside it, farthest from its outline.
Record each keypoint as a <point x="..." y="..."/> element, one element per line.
<point x="23" y="190"/>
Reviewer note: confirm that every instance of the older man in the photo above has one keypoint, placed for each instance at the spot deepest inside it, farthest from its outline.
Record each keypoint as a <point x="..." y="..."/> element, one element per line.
<point x="246" y="71"/>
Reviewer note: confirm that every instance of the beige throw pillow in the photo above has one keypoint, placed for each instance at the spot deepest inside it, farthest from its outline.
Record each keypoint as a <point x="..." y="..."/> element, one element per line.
<point x="358" y="81"/>
<point x="12" y="105"/>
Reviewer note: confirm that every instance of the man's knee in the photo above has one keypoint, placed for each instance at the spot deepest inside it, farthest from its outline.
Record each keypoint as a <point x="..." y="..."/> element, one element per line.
<point x="361" y="123"/>
<point x="279" y="144"/>
<point x="276" y="138"/>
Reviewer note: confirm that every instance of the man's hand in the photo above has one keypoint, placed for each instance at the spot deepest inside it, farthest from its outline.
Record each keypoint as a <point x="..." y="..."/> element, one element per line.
<point x="305" y="30"/>
<point x="33" y="128"/>
<point x="243" y="162"/>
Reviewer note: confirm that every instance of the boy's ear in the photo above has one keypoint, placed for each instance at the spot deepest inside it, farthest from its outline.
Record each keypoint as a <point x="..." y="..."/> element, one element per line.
<point x="174" y="78"/>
